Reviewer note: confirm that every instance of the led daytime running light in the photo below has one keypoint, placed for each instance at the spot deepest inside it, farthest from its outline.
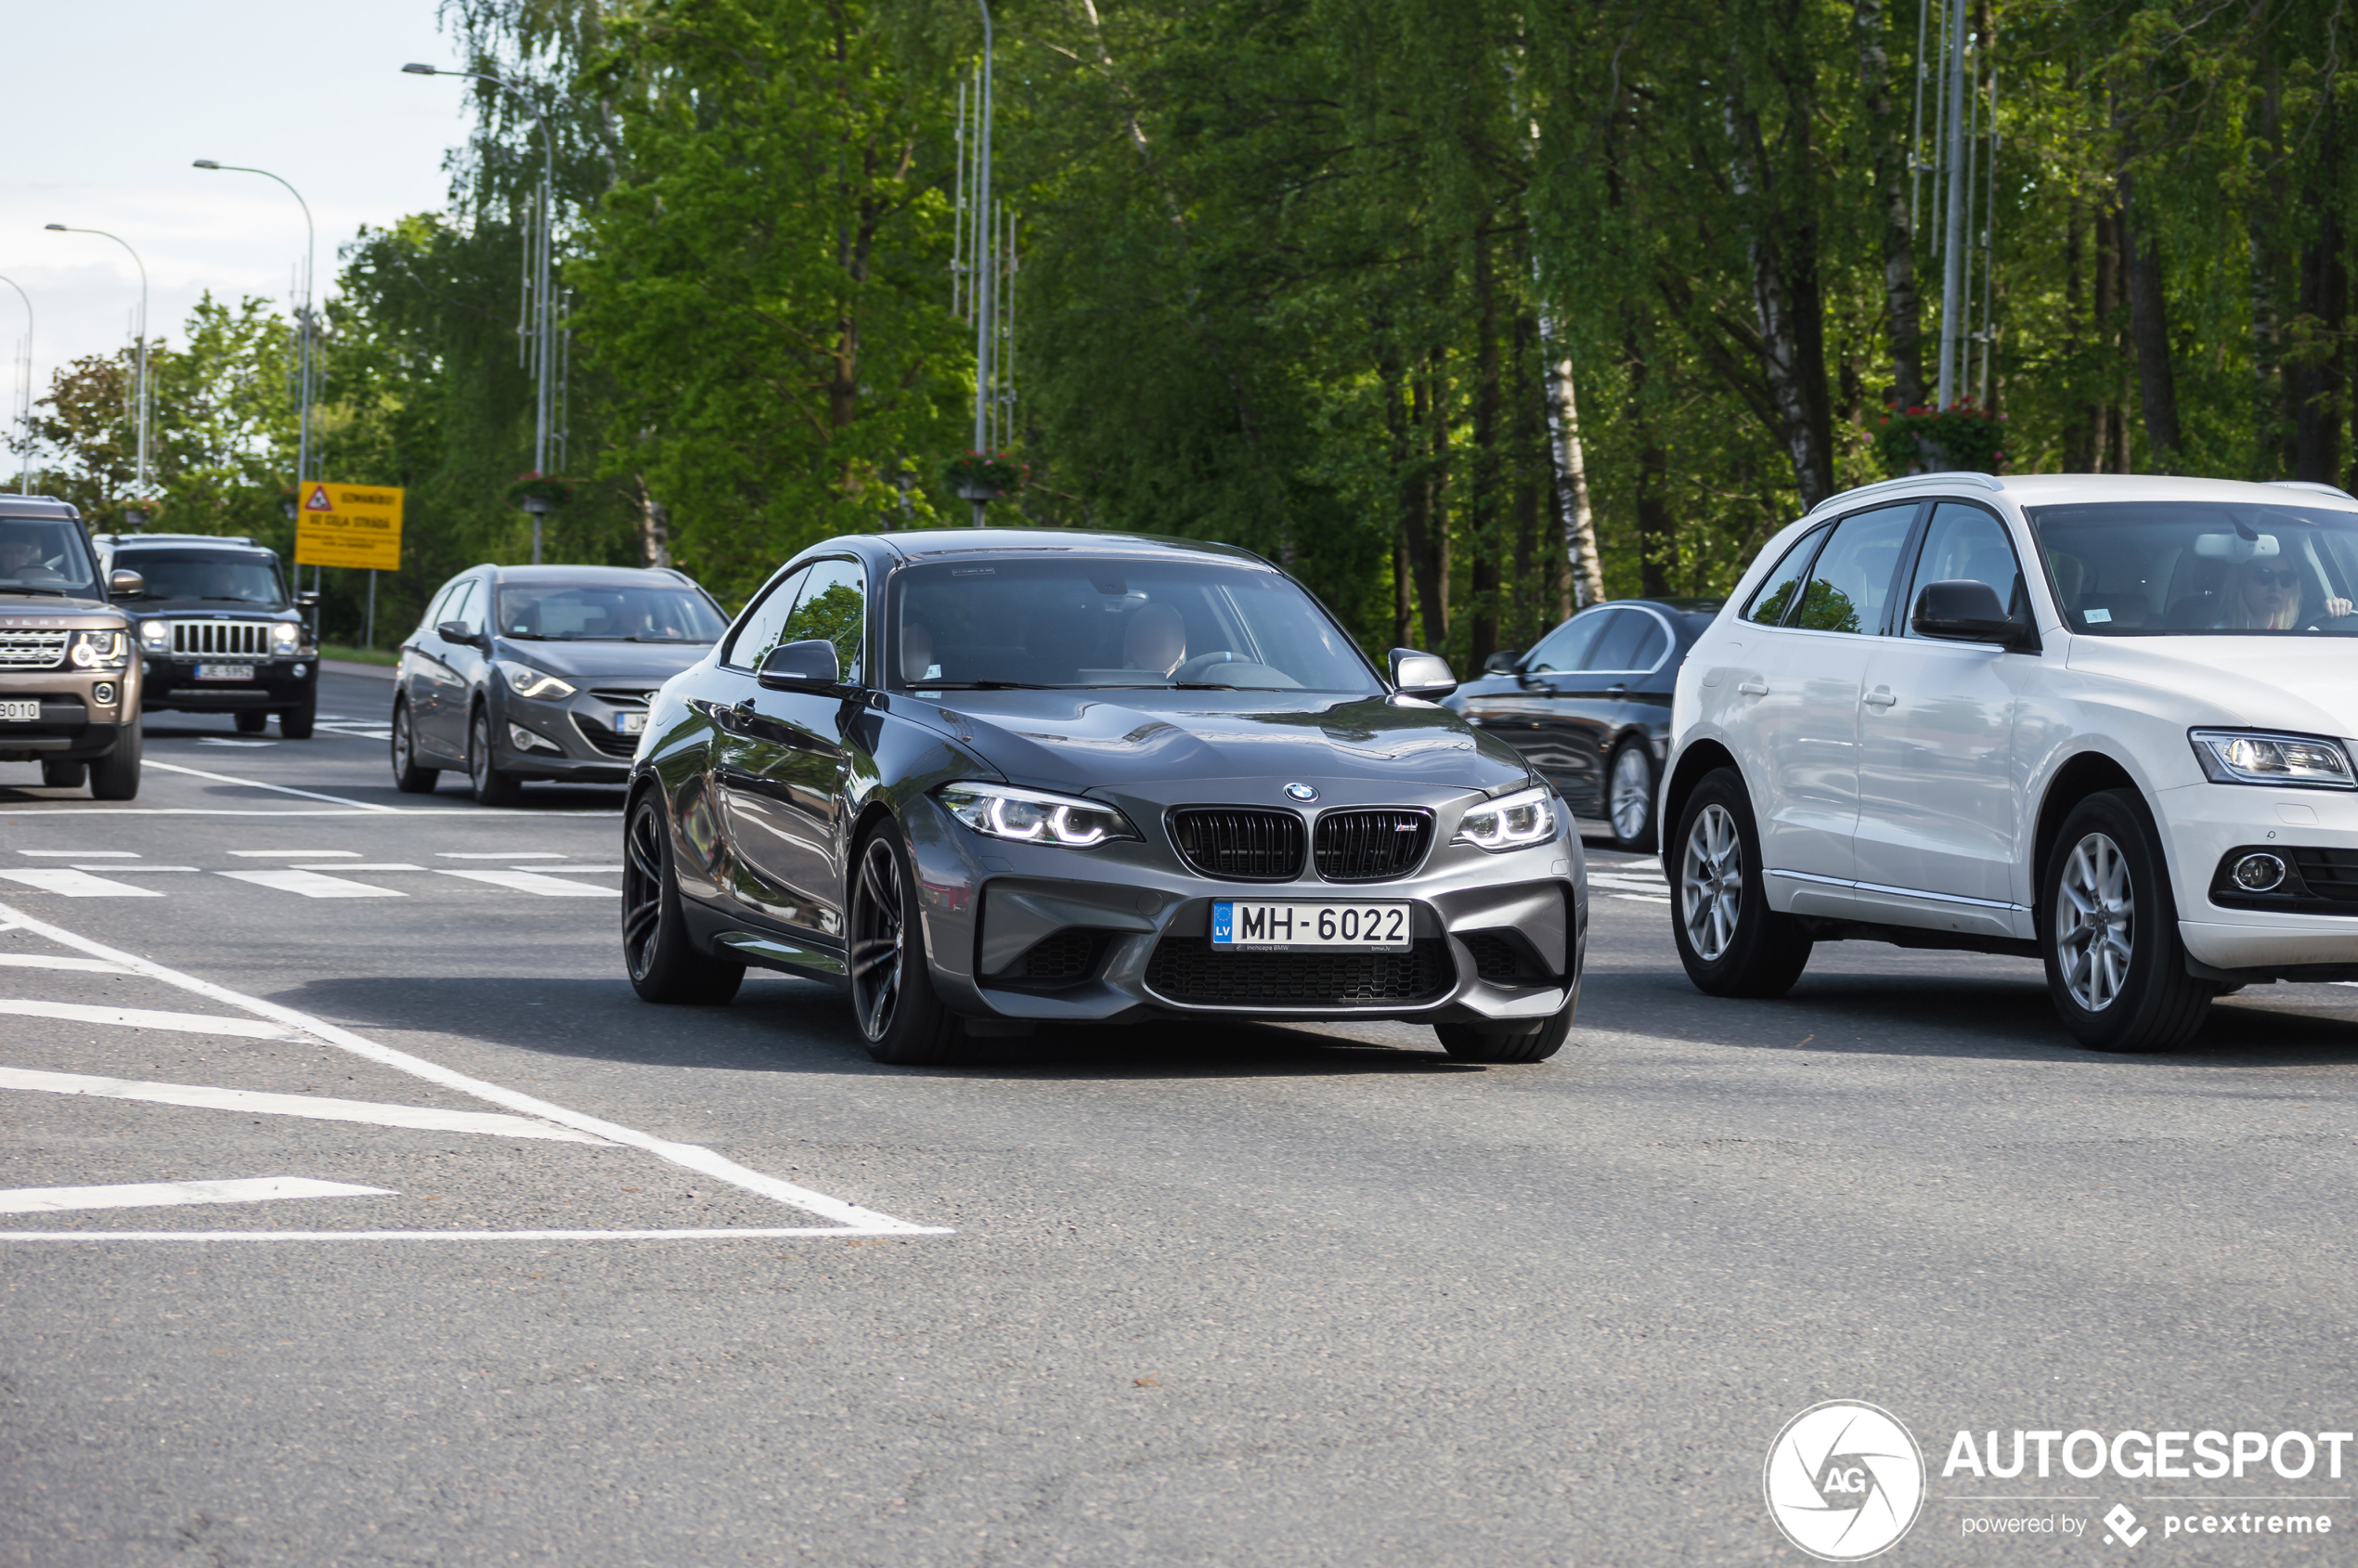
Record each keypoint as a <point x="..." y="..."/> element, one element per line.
<point x="526" y="681"/>
<point x="1027" y="816"/>
<point x="1516" y="822"/>
<point x="2248" y="756"/>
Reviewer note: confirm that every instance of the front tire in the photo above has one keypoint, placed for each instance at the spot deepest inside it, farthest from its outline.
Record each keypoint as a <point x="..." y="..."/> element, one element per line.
<point x="60" y="774"/>
<point x="661" y="959"/>
<point x="1630" y="789"/>
<point x="296" y="723"/>
<point x="491" y="787"/>
<point x="115" y="776"/>
<point x="1730" y="941"/>
<point x="901" y="1016"/>
<point x="408" y="777"/>
<point x="1479" y="1042"/>
<point x="251" y="722"/>
<point x="2116" y="969"/>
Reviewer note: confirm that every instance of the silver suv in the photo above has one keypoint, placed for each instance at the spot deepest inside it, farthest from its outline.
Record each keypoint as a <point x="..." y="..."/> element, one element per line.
<point x="69" y="685"/>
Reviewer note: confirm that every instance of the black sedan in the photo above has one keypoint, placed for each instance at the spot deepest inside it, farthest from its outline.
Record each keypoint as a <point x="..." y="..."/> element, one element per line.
<point x="1589" y="704"/>
<point x="541" y="673"/>
<point x="995" y="780"/>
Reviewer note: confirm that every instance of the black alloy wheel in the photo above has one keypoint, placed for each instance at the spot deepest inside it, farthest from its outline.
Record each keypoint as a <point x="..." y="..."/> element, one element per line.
<point x="2115" y="967"/>
<point x="408" y="777"/>
<point x="1729" y="941"/>
<point x="296" y="723"/>
<point x="657" y="953"/>
<point x="892" y="996"/>
<point x="492" y="787"/>
<point x="252" y="721"/>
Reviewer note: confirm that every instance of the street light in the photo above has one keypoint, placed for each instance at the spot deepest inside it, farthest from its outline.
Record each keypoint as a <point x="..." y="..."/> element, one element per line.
<point x="987" y="259"/>
<point x="141" y="483"/>
<point x="24" y="412"/>
<point x="537" y="259"/>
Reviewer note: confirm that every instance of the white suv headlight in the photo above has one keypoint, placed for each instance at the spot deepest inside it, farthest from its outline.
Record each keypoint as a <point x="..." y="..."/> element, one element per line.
<point x="1031" y="816"/>
<point x="526" y="681"/>
<point x="1514" y="821"/>
<point x="2251" y="757"/>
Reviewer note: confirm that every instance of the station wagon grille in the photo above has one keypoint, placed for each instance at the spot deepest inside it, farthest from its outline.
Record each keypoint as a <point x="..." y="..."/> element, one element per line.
<point x="1372" y="846"/>
<point x="1187" y="970"/>
<point x="32" y="650"/>
<point x="243" y="639"/>
<point x="1238" y="842"/>
<point x="613" y="743"/>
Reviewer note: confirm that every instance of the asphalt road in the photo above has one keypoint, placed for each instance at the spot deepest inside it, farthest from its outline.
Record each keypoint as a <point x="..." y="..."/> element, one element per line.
<point x="1244" y="1296"/>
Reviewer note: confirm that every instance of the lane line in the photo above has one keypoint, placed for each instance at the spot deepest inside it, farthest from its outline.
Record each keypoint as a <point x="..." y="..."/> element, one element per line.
<point x="844" y="1232"/>
<point x="484" y="855"/>
<point x="293" y="854"/>
<point x="133" y="870"/>
<point x="145" y="1017"/>
<point x="282" y="789"/>
<point x="690" y="1157"/>
<point x="532" y="882"/>
<point x="85" y="854"/>
<point x="159" y="1195"/>
<point x="43" y="961"/>
<point x="311" y="884"/>
<point x="488" y="1123"/>
<point x="568" y="869"/>
<point x="363" y="865"/>
<point x="77" y="884"/>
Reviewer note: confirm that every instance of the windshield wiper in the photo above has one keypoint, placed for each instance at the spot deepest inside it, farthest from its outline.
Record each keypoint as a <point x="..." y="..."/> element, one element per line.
<point x="527" y="636"/>
<point x="1203" y="686"/>
<point x="980" y="686"/>
<point x="664" y="639"/>
<point x="232" y="599"/>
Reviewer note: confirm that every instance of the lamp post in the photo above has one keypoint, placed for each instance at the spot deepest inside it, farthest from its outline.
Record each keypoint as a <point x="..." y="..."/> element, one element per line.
<point x="542" y="333"/>
<point x="984" y="259"/>
<point x="141" y="483"/>
<point x="24" y="408"/>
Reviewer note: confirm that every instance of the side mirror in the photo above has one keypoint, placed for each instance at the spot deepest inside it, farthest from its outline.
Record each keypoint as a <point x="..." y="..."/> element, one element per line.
<point x="1421" y="675"/>
<point x="1503" y="662"/>
<point x="307" y="597"/>
<point x="458" y="632"/>
<point x="1967" y="611"/>
<point x="808" y="666"/>
<point x="126" y="584"/>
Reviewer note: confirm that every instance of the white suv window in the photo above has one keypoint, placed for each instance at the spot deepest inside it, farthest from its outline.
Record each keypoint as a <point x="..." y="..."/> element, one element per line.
<point x="1964" y="543"/>
<point x="1851" y="578"/>
<point x="1775" y="596"/>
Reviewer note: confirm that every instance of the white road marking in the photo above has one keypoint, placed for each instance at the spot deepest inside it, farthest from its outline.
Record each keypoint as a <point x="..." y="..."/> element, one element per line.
<point x="43" y="961"/>
<point x="77" y="884"/>
<point x="47" y="807"/>
<point x="534" y="881"/>
<point x="504" y="855"/>
<point x="490" y="1123"/>
<point x="311" y="884"/>
<point x="1639" y="899"/>
<point x="369" y="806"/>
<point x="145" y="1017"/>
<point x="223" y="740"/>
<point x="819" y="1231"/>
<point x="85" y="854"/>
<point x="569" y="870"/>
<point x="133" y="870"/>
<point x="293" y="854"/>
<point x="363" y="865"/>
<point x="158" y="1195"/>
<point x="852" y="1218"/>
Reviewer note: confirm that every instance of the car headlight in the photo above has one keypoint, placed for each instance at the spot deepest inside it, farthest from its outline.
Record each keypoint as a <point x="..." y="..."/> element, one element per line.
<point x="285" y="638"/>
<point x="155" y="637"/>
<point x="526" y="681"/>
<point x="1512" y="821"/>
<point x="99" y="650"/>
<point x="1028" y="816"/>
<point x="2252" y="757"/>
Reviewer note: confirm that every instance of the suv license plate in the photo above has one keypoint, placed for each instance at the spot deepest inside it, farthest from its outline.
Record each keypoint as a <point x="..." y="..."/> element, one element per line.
<point x="20" y="713"/>
<point x="224" y="672"/>
<point x="1238" y="927"/>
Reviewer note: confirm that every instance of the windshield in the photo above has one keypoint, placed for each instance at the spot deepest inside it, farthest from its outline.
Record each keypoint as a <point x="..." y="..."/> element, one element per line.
<point x="48" y="557"/>
<point x="666" y="612"/>
<point x="211" y="576"/>
<point x="1062" y="622"/>
<point x="2201" y="568"/>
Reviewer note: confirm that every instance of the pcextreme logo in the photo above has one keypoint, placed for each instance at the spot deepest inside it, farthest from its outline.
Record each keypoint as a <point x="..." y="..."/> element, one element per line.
<point x="1844" y="1481"/>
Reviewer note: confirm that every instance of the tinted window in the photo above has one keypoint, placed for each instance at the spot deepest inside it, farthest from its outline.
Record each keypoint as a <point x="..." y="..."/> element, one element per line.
<point x="208" y="577"/>
<point x="1617" y="646"/>
<point x="1965" y="543"/>
<point x="1776" y="594"/>
<point x="1564" y="648"/>
<point x="1852" y="576"/>
<point x="832" y="606"/>
<point x="45" y="556"/>
<point x="757" y="633"/>
<point x="654" y="611"/>
<point x="2204" y="569"/>
<point x="466" y="605"/>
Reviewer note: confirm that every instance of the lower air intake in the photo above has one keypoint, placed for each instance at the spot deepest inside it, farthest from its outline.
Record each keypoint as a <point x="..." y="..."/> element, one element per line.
<point x="1187" y="970"/>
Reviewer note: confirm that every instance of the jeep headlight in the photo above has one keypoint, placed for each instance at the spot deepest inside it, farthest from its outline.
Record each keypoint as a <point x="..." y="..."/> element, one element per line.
<point x="286" y="637"/>
<point x="155" y="637"/>
<point x="526" y="681"/>
<point x="99" y="650"/>
<point x="2252" y="756"/>
<point x="1031" y="816"/>
<point x="1512" y="821"/>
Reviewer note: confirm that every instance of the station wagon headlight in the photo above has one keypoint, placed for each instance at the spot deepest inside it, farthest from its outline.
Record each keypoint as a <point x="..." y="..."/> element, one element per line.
<point x="1028" y="816"/>
<point x="285" y="638"/>
<point x="2253" y="757"/>
<point x="1514" y="821"/>
<point x="99" y="650"/>
<point x="526" y="681"/>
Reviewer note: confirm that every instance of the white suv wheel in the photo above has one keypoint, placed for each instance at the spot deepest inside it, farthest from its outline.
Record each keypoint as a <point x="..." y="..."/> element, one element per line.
<point x="2095" y="922"/>
<point x="1712" y="883"/>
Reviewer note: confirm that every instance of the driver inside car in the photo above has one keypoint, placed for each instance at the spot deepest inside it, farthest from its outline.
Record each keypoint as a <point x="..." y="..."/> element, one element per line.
<point x="21" y="558"/>
<point x="2264" y="595"/>
<point x="916" y="652"/>
<point x="1155" y="640"/>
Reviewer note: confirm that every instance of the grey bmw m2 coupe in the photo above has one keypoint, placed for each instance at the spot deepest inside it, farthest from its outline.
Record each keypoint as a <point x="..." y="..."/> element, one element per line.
<point x="991" y="780"/>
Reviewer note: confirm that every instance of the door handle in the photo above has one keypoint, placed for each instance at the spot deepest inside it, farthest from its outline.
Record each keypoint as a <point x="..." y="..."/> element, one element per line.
<point x="1880" y="698"/>
<point x="1752" y="688"/>
<point x="1616" y="689"/>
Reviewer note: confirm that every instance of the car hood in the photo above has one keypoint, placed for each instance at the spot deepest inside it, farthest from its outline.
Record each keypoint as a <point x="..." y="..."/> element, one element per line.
<point x="220" y="612"/>
<point x="1076" y="740"/>
<point x="655" y="662"/>
<point x="22" y="604"/>
<point x="2308" y="684"/>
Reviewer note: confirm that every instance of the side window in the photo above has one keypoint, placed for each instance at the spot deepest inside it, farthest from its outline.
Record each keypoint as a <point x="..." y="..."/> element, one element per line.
<point x="435" y="606"/>
<point x="466" y="605"/>
<point x="757" y="633"/>
<point x="1564" y="648"/>
<point x="1852" y="578"/>
<point x="1619" y="644"/>
<point x="1965" y="542"/>
<point x="1651" y="644"/>
<point x="1776" y="592"/>
<point x="832" y="606"/>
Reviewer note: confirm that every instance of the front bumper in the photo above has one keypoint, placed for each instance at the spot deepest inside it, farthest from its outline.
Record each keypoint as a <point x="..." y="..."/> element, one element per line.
<point x="74" y="726"/>
<point x="1120" y="933"/>
<point x="581" y="738"/>
<point x="171" y="685"/>
<point x="2203" y="822"/>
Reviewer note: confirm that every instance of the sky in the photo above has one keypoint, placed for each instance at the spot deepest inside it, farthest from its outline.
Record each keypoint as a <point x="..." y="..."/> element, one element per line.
<point x="111" y="100"/>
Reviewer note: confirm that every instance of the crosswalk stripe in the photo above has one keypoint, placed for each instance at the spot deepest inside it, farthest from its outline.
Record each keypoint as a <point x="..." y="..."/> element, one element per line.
<point x="77" y="884"/>
<point x="145" y="1017"/>
<point x="43" y="961"/>
<point x="535" y="882"/>
<point x="318" y="1108"/>
<point x="311" y="884"/>
<point x="156" y="1195"/>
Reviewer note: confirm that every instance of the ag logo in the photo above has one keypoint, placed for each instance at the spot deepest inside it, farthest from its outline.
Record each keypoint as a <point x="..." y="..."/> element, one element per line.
<point x="1844" y="1481"/>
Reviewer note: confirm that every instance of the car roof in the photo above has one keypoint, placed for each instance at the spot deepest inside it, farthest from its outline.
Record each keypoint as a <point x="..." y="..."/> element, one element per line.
<point x="44" y="507"/>
<point x="578" y="574"/>
<point x="182" y="541"/>
<point x="2054" y="489"/>
<point x="917" y="544"/>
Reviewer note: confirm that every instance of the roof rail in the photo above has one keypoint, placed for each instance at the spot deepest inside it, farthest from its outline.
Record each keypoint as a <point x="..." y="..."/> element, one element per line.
<point x="1959" y="476"/>
<point x="2312" y="485"/>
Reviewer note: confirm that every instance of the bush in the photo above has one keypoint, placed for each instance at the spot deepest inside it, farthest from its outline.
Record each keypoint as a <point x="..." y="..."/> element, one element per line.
<point x="1923" y="440"/>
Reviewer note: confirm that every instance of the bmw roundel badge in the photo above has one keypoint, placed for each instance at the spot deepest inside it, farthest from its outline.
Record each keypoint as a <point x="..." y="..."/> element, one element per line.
<point x="1301" y="792"/>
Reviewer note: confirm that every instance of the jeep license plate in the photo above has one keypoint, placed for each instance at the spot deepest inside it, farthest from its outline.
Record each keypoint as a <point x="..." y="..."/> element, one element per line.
<point x="224" y="672"/>
<point x="21" y="712"/>
<point x="1292" y="926"/>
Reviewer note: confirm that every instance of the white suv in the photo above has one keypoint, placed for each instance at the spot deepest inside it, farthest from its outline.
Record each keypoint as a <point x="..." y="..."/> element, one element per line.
<point x="2128" y="760"/>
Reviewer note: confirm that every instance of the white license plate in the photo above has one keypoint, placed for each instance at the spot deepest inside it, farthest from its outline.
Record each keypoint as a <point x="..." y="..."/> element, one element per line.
<point x="224" y="672"/>
<point x="630" y="723"/>
<point x="1322" y="924"/>
<point x="20" y="713"/>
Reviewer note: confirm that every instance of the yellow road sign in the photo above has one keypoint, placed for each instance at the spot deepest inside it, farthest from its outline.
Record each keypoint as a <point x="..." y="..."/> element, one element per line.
<point x="349" y="525"/>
